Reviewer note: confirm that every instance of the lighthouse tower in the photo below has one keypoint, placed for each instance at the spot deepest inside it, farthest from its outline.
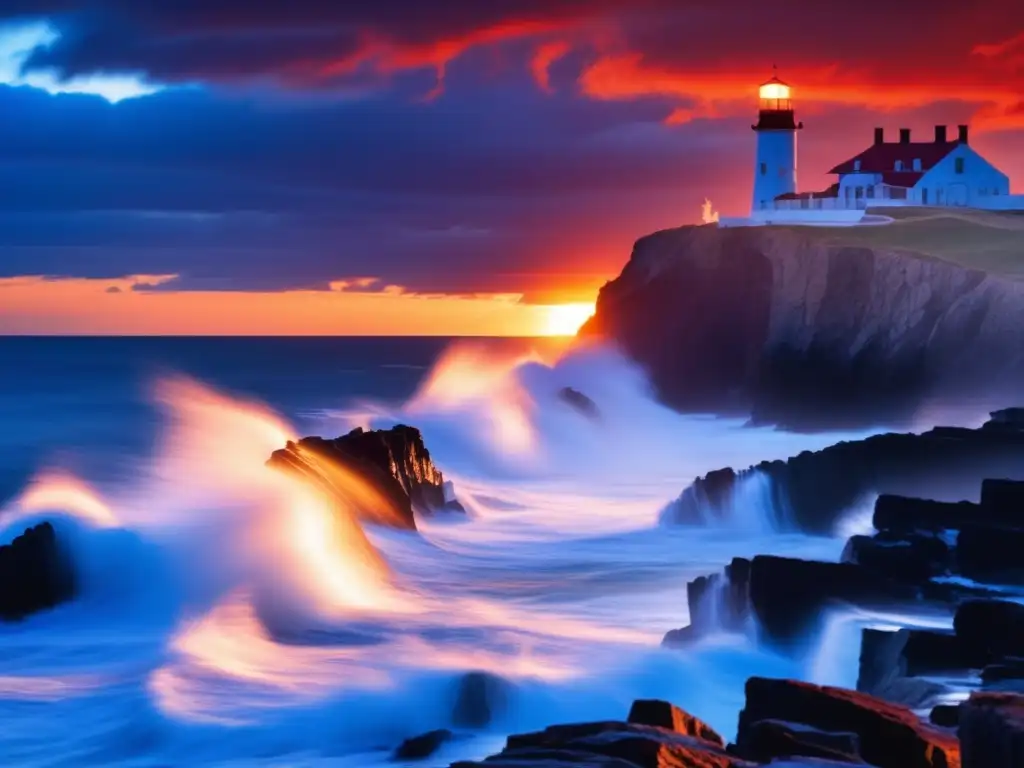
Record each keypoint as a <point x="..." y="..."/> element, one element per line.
<point x="775" y="167"/>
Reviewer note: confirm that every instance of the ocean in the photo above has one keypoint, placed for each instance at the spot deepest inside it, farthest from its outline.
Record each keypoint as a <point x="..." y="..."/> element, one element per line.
<point x="221" y="621"/>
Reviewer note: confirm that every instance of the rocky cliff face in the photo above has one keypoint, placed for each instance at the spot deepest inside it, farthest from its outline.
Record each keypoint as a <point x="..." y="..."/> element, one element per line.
<point x="783" y="324"/>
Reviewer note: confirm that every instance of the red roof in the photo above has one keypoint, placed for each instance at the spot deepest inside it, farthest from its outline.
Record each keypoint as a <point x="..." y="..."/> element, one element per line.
<point x="881" y="158"/>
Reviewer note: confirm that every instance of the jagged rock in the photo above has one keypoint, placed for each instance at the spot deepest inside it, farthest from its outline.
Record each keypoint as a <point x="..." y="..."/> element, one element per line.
<point x="787" y="595"/>
<point x="902" y="514"/>
<point x="817" y="488"/>
<point x="1009" y="669"/>
<point x="992" y="731"/>
<point x="423" y="746"/>
<point x="1012" y="418"/>
<point x="580" y="402"/>
<point x="720" y="601"/>
<point x="608" y="744"/>
<point x="945" y="715"/>
<point x="394" y="462"/>
<point x="661" y="714"/>
<point x="765" y="740"/>
<point x="990" y="629"/>
<point x="807" y="331"/>
<point x="890" y="660"/>
<point x="34" y="573"/>
<point x="1003" y="501"/>
<point x="708" y="497"/>
<point x="480" y="699"/>
<point x="993" y="555"/>
<point x="913" y="558"/>
<point x="890" y="736"/>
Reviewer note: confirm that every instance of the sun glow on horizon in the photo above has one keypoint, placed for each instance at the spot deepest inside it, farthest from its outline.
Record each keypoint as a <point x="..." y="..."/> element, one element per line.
<point x="566" y="319"/>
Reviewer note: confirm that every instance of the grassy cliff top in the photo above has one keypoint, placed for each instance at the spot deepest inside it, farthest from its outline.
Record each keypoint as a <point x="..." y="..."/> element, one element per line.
<point x="985" y="240"/>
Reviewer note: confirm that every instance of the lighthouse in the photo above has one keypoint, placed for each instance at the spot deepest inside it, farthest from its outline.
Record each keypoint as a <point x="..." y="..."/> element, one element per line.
<point x="775" y="166"/>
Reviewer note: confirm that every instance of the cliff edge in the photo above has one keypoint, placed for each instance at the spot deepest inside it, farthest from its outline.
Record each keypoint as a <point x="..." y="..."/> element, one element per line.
<point x="808" y="326"/>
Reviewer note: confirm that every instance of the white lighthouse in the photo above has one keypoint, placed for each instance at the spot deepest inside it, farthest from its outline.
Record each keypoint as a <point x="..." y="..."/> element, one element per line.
<point x="775" y="167"/>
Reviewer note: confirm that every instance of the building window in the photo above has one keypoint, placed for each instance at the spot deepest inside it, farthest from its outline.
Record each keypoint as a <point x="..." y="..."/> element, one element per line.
<point x="764" y="169"/>
<point x="871" y="192"/>
<point x="917" y="163"/>
<point x="898" y="193"/>
<point x="924" y="197"/>
<point x="959" y="165"/>
<point x="899" y="165"/>
<point x="859" y="193"/>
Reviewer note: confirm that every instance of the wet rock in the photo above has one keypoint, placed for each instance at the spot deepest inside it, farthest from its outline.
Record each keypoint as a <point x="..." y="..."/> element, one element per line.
<point x="481" y="698"/>
<point x="992" y="731"/>
<point x="1012" y="418"/>
<point x="912" y="558"/>
<point x="423" y="746"/>
<point x="579" y="402"/>
<point x="720" y="601"/>
<point x="945" y="715"/>
<point x="890" y="736"/>
<point x="948" y="464"/>
<point x="1010" y="668"/>
<point x="994" y="555"/>
<point x="610" y="743"/>
<point x="765" y="740"/>
<point x="661" y="714"/>
<point x="707" y="499"/>
<point x="990" y="630"/>
<point x="394" y="462"/>
<point x="34" y="573"/>
<point x="889" y="661"/>
<point x="788" y="595"/>
<point x="903" y="514"/>
<point x="1003" y="502"/>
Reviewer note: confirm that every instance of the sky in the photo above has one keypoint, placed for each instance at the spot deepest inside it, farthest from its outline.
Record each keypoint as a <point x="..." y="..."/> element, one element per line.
<point x="415" y="167"/>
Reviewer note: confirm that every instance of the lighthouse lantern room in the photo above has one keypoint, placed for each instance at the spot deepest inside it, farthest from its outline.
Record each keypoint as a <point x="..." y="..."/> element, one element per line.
<point x="775" y="166"/>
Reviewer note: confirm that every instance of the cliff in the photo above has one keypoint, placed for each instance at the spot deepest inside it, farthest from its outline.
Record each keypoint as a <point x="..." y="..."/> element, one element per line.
<point x="819" y="327"/>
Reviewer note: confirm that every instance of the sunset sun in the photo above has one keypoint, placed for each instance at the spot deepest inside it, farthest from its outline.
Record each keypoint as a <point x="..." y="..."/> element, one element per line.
<point x="566" y="319"/>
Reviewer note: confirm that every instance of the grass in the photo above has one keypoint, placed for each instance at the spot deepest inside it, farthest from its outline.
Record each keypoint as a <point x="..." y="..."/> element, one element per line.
<point x="986" y="240"/>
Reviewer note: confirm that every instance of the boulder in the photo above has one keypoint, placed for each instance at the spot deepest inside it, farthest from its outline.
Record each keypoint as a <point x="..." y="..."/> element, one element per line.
<point x="992" y="731"/>
<point x="889" y="661"/>
<point x="1010" y="668"/>
<point x="903" y="514"/>
<point x="994" y="555"/>
<point x="721" y="601"/>
<point x="595" y="744"/>
<point x="661" y="714"/>
<point x="1007" y="418"/>
<point x="394" y="462"/>
<point x="788" y="595"/>
<point x="481" y="698"/>
<point x="707" y="499"/>
<point x="765" y="740"/>
<point x="34" y="573"/>
<point x="945" y="715"/>
<point x="1003" y="502"/>
<point x="580" y="402"/>
<point x="890" y="736"/>
<point x="423" y="746"/>
<point x="990" y="630"/>
<point x="911" y="557"/>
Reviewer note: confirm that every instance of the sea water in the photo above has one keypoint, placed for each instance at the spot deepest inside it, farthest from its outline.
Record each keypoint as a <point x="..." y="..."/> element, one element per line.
<point x="227" y="618"/>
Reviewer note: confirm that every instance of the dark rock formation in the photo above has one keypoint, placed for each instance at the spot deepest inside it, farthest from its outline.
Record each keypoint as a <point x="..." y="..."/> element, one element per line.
<point x="765" y="740"/>
<point x="994" y="555"/>
<point x="914" y="558"/>
<point x="903" y="514"/>
<point x="990" y="629"/>
<point x="804" y="331"/>
<point x="945" y="463"/>
<point x="890" y="736"/>
<point x="661" y="714"/>
<point x="34" y="574"/>
<point x="945" y="715"/>
<point x="992" y="731"/>
<point x="610" y="744"/>
<point x="480" y="699"/>
<point x="579" y="402"/>
<point x="889" y="662"/>
<point x="394" y="462"/>
<point x="423" y="746"/>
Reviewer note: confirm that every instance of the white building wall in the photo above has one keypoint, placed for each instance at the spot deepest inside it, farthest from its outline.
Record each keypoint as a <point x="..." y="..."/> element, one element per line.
<point x="774" y="167"/>
<point x="859" y="189"/>
<point x="979" y="181"/>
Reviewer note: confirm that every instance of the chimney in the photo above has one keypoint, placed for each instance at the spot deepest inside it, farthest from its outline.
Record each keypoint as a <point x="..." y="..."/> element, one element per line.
<point x="963" y="134"/>
<point x="879" y="135"/>
<point x="940" y="134"/>
<point x="904" y="135"/>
